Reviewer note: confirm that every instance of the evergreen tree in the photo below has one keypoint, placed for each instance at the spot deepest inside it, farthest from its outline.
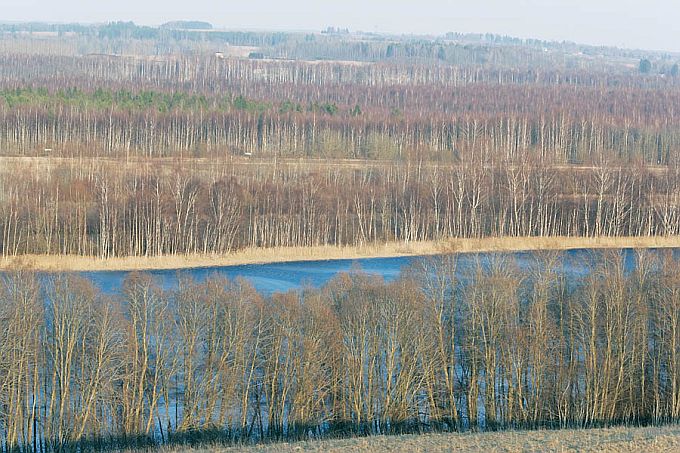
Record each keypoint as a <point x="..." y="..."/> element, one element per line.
<point x="645" y="66"/>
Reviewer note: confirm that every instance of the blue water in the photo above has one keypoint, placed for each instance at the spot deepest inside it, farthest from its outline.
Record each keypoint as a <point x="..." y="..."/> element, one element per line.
<point x="282" y="277"/>
<point x="266" y="278"/>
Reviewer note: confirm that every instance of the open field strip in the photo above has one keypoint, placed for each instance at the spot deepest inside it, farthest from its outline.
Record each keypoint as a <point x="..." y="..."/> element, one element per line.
<point x="288" y="254"/>
<point x="616" y="440"/>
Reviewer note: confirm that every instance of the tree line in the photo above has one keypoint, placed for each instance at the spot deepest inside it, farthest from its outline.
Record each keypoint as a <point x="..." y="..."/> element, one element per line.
<point x="161" y="207"/>
<point x="191" y="37"/>
<point x="454" y="344"/>
<point x="567" y="125"/>
<point x="199" y="73"/>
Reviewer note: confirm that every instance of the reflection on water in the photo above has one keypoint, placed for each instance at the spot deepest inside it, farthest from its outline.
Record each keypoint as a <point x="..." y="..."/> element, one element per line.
<point x="282" y="277"/>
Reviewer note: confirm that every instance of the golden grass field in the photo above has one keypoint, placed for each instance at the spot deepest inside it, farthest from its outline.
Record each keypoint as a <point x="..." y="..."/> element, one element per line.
<point x="56" y="263"/>
<point x="616" y="440"/>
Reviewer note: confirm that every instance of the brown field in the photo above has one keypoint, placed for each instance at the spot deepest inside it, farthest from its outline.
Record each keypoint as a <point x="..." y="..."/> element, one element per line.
<point x="42" y="160"/>
<point x="276" y="255"/>
<point x="652" y="440"/>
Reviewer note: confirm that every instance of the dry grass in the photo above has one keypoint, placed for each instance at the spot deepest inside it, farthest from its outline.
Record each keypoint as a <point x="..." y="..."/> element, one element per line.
<point x="276" y="255"/>
<point x="653" y="440"/>
<point x="40" y="164"/>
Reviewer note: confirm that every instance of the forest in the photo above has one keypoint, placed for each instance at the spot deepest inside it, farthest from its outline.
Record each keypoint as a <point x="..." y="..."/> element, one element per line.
<point x="208" y="153"/>
<point x="197" y="37"/>
<point x="108" y="209"/>
<point x="126" y="141"/>
<point x="493" y="345"/>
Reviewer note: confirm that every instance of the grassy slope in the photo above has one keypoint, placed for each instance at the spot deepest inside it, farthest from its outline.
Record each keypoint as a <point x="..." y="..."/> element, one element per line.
<point x="653" y="440"/>
<point x="270" y="255"/>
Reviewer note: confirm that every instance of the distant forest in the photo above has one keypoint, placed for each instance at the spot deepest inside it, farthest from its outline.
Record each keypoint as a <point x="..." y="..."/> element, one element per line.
<point x="124" y="140"/>
<point x="330" y="44"/>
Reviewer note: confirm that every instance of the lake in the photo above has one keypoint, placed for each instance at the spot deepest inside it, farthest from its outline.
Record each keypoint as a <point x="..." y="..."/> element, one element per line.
<point x="282" y="277"/>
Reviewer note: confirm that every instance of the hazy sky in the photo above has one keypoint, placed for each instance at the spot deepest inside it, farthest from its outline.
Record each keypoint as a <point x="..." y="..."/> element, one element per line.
<point x="648" y="24"/>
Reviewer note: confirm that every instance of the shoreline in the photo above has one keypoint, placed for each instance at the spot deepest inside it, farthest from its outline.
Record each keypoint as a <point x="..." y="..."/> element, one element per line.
<point x="75" y="263"/>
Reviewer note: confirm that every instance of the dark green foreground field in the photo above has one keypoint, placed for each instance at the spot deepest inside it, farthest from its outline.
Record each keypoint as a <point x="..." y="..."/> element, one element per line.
<point x="656" y="439"/>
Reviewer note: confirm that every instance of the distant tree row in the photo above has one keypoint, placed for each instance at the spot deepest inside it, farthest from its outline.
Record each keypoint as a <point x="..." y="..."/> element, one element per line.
<point x="564" y="124"/>
<point x="646" y="66"/>
<point x="187" y="25"/>
<point x="205" y="73"/>
<point x="191" y="37"/>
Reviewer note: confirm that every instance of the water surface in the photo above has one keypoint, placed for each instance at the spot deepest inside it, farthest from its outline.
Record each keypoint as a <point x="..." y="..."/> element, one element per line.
<point x="282" y="277"/>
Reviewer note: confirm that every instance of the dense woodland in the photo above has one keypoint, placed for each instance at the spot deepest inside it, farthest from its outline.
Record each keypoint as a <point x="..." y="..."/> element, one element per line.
<point x="200" y="153"/>
<point x="494" y="344"/>
<point x="166" y="207"/>
<point x="205" y="104"/>
<point x="479" y="121"/>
